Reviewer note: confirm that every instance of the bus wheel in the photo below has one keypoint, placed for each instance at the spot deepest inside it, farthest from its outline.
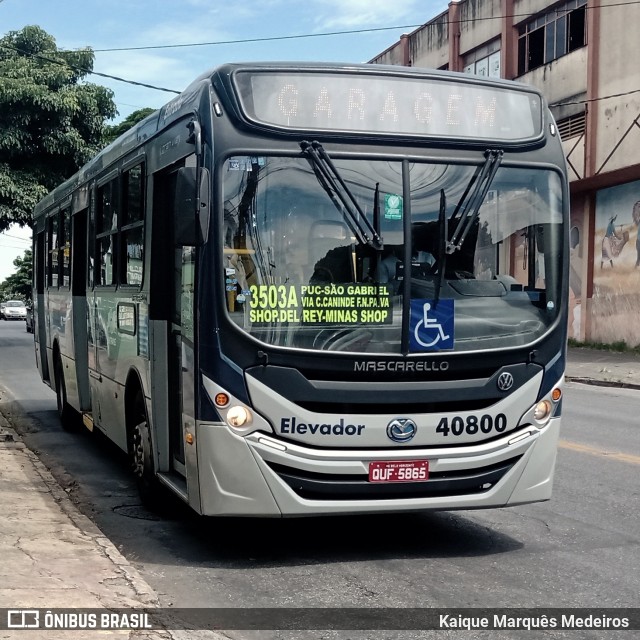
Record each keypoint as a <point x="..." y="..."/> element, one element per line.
<point x="68" y="417"/>
<point x="142" y="457"/>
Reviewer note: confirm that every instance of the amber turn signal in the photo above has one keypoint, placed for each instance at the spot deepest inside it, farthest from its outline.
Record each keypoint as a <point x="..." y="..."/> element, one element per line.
<point x="221" y="399"/>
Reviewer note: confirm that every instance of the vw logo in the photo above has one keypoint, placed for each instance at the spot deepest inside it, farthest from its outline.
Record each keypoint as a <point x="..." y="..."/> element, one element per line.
<point x="505" y="381"/>
<point x="401" y="429"/>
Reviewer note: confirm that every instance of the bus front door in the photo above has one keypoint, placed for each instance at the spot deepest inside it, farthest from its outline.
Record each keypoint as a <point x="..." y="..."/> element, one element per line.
<point x="181" y="354"/>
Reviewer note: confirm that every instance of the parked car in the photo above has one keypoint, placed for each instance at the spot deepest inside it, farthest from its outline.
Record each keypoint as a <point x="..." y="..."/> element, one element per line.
<point x="29" y="319"/>
<point x="13" y="310"/>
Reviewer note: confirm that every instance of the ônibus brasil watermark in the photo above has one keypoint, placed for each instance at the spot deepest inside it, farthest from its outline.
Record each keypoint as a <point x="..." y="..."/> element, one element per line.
<point x="299" y="618"/>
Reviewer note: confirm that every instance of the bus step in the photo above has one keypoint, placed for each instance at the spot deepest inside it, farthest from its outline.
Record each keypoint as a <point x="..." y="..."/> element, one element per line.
<point x="176" y="483"/>
<point x="87" y="421"/>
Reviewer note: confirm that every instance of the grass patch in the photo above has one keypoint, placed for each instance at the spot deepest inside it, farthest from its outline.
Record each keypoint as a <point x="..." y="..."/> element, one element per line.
<point x="620" y="346"/>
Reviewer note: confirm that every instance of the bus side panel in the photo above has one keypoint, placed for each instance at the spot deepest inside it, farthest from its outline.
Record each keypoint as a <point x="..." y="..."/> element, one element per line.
<point x="536" y="482"/>
<point x="61" y="327"/>
<point x="116" y="336"/>
<point x="231" y="489"/>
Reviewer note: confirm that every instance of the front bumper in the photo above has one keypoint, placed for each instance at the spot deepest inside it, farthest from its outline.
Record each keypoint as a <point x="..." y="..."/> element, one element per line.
<point x="261" y="475"/>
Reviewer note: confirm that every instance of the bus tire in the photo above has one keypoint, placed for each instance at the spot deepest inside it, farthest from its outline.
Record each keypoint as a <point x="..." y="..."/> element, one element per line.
<point x="142" y="456"/>
<point x="68" y="417"/>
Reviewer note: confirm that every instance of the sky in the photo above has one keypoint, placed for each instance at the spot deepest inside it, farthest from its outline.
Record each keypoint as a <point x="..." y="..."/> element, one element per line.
<point x="225" y="27"/>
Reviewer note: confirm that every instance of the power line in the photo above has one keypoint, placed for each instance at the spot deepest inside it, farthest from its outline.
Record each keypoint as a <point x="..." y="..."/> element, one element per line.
<point x="8" y="235"/>
<point x="587" y="100"/>
<point x="13" y="246"/>
<point x="350" y="31"/>
<point x="266" y="39"/>
<point x="150" y="86"/>
<point x="64" y="63"/>
<point x="299" y="36"/>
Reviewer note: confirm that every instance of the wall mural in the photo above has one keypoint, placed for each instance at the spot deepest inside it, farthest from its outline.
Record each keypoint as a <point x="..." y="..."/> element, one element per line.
<point x="616" y="269"/>
<point x="575" y="277"/>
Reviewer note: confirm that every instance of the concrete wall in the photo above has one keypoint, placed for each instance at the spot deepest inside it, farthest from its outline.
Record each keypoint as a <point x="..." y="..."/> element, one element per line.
<point x="393" y="55"/>
<point x="618" y="139"/>
<point x="479" y="23"/>
<point x="562" y="79"/>
<point x="574" y="151"/>
<point x="525" y="9"/>
<point x="429" y="46"/>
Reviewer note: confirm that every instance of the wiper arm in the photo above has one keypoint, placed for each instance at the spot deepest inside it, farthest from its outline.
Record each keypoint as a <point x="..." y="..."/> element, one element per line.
<point x="469" y="205"/>
<point x="340" y="194"/>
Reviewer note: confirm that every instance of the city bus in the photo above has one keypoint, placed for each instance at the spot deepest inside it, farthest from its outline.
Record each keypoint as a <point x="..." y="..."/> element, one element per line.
<point x="305" y="289"/>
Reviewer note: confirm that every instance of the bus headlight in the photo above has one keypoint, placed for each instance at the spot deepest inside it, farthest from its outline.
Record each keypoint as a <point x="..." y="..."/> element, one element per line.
<point x="542" y="411"/>
<point x="545" y="408"/>
<point x="238" y="417"/>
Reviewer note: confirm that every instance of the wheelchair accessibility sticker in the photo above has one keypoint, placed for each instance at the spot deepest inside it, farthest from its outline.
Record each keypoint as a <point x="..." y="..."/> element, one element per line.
<point x="431" y="325"/>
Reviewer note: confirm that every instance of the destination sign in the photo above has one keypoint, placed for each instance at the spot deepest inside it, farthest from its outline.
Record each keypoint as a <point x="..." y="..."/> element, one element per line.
<point x="350" y="303"/>
<point x="384" y="104"/>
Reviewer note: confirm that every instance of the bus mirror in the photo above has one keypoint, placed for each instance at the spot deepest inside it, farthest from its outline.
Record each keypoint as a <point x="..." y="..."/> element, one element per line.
<point x="191" y="227"/>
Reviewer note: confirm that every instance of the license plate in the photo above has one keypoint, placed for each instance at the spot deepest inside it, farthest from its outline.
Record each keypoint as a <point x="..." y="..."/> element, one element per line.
<point x="399" y="471"/>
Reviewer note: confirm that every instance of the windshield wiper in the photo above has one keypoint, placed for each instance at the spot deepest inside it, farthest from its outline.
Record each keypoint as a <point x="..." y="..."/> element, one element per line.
<point x="343" y="199"/>
<point x="470" y="203"/>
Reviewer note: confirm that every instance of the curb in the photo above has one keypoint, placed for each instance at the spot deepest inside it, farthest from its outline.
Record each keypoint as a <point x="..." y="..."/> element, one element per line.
<point x="619" y="384"/>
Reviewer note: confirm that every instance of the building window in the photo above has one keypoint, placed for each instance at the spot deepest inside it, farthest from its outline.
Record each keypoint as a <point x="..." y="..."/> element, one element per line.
<point x="552" y="35"/>
<point x="484" y="61"/>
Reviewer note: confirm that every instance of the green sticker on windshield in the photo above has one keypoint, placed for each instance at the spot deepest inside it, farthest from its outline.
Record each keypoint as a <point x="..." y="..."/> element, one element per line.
<point x="392" y="206"/>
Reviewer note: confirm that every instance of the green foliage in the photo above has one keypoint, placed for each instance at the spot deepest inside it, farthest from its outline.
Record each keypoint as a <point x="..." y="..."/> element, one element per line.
<point x="620" y="346"/>
<point x="50" y="125"/>
<point x="18" y="285"/>
<point x="112" y="132"/>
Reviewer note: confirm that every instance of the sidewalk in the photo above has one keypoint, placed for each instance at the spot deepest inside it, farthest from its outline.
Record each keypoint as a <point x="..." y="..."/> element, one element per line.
<point x="52" y="556"/>
<point x="607" y="368"/>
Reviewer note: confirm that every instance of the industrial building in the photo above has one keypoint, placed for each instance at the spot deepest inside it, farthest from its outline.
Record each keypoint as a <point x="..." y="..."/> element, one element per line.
<point x="582" y="55"/>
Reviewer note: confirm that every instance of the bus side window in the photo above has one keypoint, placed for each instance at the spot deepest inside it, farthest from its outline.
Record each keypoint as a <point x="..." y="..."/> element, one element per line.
<point x="106" y="230"/>
<point x="65" y="248"/>
<point x="52" y="250"/>
<point x="132" y="244"/>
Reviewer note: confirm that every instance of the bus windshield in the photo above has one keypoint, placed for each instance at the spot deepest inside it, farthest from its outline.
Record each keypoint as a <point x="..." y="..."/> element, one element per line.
<point x="296" y="275"/>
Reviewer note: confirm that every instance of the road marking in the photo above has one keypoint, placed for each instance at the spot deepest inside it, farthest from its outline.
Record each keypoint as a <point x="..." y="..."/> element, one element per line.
<point x="613" y="455"/>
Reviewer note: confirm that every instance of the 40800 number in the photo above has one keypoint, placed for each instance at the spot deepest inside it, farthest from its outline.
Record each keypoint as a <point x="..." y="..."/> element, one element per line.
<point x="472" y="425"/>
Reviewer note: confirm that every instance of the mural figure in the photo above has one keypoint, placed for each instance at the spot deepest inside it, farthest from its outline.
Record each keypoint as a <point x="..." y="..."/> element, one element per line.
<point x="615" y="304"/>
<point x="613" y="241"/>
<point x="636" y="220"/>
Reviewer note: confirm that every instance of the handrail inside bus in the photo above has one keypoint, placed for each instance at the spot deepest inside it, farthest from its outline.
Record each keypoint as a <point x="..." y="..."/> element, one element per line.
<point x="242" y="252"/>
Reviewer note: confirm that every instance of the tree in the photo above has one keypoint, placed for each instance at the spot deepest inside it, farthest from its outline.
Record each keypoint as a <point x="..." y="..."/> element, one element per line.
<point x="18" y="285"/>
<point x="112" y="132"/>
<point x="50" y="123"/>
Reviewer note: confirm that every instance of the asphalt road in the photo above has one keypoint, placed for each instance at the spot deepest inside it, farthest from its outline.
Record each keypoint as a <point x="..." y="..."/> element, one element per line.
<point x="581" y="549"/>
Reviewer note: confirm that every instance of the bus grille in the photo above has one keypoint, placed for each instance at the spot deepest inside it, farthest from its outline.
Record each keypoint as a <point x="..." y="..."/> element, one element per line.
<point x="324" y="486"/>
